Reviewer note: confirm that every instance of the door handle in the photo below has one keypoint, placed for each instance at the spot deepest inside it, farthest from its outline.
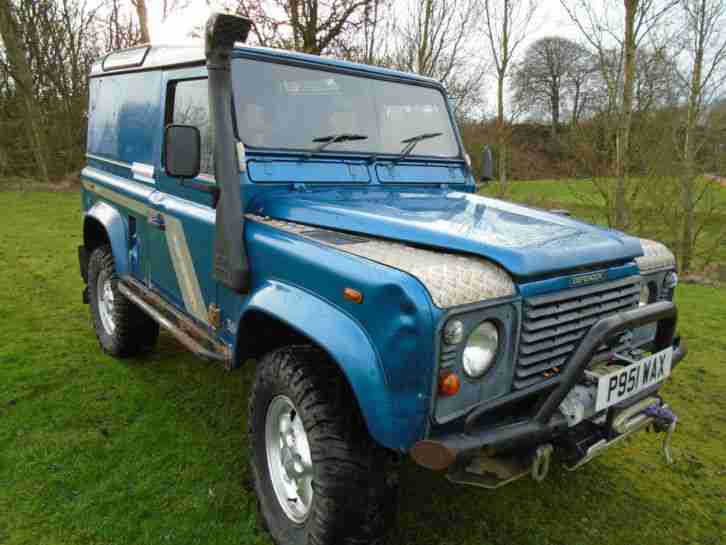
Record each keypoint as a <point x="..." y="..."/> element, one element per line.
<point x="157" y="221"/>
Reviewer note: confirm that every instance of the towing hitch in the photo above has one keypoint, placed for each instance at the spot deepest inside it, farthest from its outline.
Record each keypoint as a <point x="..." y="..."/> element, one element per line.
<point x="541" y="463"/>
<point x="664" y="421"/>
<point x="649" y="413"/>
<point x="487" y="470"/>
<point x="494" y="471"/>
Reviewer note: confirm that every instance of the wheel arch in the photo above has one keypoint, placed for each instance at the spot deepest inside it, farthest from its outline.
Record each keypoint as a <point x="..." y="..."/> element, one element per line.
<point x="103" y="224"/>
<point x="278" y="315"/>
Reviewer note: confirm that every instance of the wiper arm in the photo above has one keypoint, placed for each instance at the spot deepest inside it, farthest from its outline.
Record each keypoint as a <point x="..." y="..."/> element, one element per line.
<point x="326" y="141"/>
<point x="413" y="141"/>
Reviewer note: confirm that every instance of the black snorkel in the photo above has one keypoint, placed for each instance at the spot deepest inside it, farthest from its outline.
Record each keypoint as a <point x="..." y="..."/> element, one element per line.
<point x="231" y="266"/>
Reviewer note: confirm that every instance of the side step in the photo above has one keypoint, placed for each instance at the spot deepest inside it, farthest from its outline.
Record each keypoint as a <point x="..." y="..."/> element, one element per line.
<point x="196" y="338"/>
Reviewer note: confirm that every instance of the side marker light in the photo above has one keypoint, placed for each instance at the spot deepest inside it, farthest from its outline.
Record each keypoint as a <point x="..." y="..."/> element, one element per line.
<point x="449" y="384"/>
<point x="353" y="295"/>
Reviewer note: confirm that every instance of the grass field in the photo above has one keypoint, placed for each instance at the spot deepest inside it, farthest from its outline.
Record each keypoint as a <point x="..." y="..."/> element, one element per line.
<point x="152" y="450"/>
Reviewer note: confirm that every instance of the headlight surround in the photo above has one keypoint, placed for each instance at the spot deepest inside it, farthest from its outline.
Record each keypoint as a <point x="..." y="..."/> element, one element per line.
<point x="481" y="349"/>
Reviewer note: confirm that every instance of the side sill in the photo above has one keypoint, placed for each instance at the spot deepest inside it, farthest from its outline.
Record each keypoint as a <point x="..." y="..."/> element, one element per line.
<point x="196" y="338"/>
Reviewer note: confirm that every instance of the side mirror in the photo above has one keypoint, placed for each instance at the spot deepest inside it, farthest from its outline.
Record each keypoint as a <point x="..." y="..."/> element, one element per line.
<point x="182" y="151"/>
<point x="487" y="165"/>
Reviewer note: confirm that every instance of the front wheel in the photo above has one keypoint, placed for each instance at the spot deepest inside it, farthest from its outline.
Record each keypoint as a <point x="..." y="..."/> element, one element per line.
<point x="319" y="476"/>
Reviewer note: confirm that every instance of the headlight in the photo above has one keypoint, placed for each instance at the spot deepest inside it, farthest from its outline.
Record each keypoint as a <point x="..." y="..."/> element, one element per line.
<point x="481" y="349"/>
<point x="644" y="293"/>
<point x="453" y="332"/>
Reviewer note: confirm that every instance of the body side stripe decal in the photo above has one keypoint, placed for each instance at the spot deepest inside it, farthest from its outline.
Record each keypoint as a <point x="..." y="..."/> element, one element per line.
<point x="112" y="194"/>
<point x="186" y="276"/>
<point x="175" y="238"/>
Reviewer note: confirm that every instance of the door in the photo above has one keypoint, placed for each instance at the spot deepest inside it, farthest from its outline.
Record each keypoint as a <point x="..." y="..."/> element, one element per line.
<point x="181" y="225"/>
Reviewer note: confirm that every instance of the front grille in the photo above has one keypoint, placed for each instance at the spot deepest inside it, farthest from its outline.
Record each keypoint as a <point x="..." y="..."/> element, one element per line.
<point x="447" y="358"/>
<point x="554" y="324"/>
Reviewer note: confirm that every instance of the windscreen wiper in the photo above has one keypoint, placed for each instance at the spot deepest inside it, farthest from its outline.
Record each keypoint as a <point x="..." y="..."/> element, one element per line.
<point x="326" y="141"/>
<point x="412" y="141"/>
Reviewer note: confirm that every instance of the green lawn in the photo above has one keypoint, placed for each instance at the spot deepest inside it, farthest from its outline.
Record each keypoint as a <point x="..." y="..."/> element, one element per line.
<point x="153" y="450"/>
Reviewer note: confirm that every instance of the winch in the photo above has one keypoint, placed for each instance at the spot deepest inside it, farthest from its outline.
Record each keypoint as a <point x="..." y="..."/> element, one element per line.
<point x="579" y="404"/>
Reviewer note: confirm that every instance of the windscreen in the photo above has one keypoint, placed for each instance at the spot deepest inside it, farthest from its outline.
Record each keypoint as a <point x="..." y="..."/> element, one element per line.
<point x="289" y="107"/>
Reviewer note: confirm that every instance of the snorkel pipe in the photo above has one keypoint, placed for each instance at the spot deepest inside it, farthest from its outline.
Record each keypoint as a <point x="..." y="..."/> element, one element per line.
<point x="231" y="266"/>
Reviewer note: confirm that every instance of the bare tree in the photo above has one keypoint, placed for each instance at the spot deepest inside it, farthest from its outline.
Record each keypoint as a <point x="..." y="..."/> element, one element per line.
<point x="369" y="40"/>
<point x="626" y="113"/>
<point x="506" y="23"/>
<point x="120" y="29"/>
<point x="553" y="69"/>
<point x="170" y="6"/>
<point x="370" y="29"/>
<point x="433" y="39"/>
<point x="580" y="78"/>
<point x="58" y="39"/>
<point x="21" y="73"/>
<point x="656" y="80"/>
<point x="705" y="38"/>
<point x="311" y="26"/>
<point x="141" y="13"/>
<point x="633" y="22"/>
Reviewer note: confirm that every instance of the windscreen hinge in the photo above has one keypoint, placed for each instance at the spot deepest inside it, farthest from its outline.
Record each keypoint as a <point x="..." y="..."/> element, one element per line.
<point x="299" y="187"/>
<point x="241" y="157"/>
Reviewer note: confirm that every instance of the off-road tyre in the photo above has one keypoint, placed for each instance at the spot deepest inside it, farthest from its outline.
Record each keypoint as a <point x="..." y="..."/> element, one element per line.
<point x="135" y="332"/>
<point x="353" y="492"/>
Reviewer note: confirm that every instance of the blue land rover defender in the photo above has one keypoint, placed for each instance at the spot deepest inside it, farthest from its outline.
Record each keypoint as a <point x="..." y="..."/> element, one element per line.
<point x="321" y="218"/>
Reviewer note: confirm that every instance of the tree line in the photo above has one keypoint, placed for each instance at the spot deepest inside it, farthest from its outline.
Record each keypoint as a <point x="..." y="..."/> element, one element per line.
<point x="633" y="101"/>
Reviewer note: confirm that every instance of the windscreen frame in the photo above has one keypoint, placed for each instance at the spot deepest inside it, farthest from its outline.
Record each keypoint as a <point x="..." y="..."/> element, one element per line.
<point x="355" y="72"/>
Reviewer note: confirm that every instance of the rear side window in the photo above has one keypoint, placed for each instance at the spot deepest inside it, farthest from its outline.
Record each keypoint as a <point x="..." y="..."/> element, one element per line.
<point x="123" y="112"/>
<point x="191" y="107"/>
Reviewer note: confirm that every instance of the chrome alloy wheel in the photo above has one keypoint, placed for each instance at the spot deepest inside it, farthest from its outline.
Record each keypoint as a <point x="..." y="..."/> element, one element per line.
<point x="105" y="304"/>
<point x="288" y="458"/>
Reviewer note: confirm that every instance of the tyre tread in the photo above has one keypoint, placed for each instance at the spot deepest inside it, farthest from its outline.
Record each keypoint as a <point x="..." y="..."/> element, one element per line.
<point x="135" y="331"/>
<point x="347" y="459"/>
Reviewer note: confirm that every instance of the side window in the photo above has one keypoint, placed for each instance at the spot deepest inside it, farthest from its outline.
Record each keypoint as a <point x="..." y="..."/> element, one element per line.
<point x="191" y="107"/>
<point x="121" y="116"/>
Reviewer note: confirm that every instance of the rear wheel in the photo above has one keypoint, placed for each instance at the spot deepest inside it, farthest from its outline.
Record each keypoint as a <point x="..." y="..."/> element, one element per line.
<point x="319" y="476"/>
<point x="123" y="330"/>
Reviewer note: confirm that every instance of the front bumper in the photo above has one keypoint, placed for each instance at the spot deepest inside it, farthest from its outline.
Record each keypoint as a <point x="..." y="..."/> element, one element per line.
<point x="546" y="422"/>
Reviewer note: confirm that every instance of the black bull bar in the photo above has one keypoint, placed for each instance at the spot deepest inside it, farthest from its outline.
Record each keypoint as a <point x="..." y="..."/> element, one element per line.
<point x="441" y="452"/>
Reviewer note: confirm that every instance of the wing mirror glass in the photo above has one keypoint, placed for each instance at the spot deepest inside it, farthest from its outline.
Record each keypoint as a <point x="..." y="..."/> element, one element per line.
<point x="182" y="151"/>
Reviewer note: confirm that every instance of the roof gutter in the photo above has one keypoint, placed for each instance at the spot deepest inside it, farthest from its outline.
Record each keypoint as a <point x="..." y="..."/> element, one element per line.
<point x="231" y="266"/>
